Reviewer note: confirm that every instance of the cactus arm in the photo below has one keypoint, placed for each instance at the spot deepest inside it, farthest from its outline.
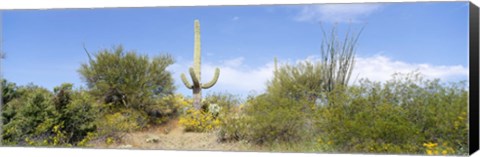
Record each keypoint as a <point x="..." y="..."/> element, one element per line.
<point x="185" y="81"/>
<point x="213" y="81"/>
<point x="196" y="82"/>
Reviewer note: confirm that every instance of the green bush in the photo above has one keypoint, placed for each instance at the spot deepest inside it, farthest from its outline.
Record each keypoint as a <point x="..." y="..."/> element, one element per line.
<point x="128" y="83"/>
<point x="9" y="91"/>
<point x="273" y="119"/>
<point x="78" y="117"/>
<point x="31" y="116"/>
<point x="126" y="79"/>
<point x="399" y="116"/>
<point x="41" y="118"/>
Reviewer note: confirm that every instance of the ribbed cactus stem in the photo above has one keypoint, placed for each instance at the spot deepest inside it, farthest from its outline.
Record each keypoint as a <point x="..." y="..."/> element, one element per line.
<point x="213" y="81"/>
<point x="195" y="71"/>
<point x="197" y="51"/>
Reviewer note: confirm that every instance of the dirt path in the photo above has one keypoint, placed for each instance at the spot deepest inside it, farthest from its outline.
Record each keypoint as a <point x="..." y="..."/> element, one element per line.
<point x="171" y="136"/>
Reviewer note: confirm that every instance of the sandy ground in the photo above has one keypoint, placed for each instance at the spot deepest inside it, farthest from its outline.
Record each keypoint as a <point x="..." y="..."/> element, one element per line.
<point x="171" y="136"/>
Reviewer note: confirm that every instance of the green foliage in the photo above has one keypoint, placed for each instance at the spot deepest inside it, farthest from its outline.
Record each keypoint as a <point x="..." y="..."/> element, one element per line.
<point x="135" y="90"/>
<point x="32" y="116"/>
<point x="126" y="79"/>
<point x="40" y="118"/>
<point x="397" y="117"/>
<point x="78" y="116"/>
<point x="283" y="114"/>
<point x="9" y="91"/>
<point x="273" y="118"/>
<point x="287" y="111"/>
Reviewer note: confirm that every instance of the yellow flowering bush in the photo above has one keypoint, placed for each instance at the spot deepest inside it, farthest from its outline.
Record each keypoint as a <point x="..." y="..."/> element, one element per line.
<point x="436" y="149"/>
<point x="58" y="139"/>
<point x="116" y="125"/>
<point x="198" y="121"/>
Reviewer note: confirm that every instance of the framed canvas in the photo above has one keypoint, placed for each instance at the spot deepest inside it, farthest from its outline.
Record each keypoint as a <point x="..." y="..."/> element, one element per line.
<point x="360" y="78"/>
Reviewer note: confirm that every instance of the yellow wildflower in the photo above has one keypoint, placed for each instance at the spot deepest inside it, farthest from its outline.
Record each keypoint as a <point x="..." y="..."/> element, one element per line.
<point x="429" y="152"/>
<point x="444" y="152"/>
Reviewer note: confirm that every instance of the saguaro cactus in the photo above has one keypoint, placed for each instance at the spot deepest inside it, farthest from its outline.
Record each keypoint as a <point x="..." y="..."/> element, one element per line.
<point x="195" y="72"/>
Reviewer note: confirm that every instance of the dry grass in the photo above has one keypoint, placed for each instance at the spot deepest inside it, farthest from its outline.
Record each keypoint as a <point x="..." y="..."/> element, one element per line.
<point x="171" y="136"/>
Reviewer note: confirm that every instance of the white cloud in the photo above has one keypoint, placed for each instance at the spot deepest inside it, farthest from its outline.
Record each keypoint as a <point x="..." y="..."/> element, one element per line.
<point x="238" y="78"/>
<point x="337" y="12"/>
<point x="235" y="77"/>
<point x="381" y="68"/>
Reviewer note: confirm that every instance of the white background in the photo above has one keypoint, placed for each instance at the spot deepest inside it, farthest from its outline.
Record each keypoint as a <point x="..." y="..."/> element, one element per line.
<point x="74" y="152"/>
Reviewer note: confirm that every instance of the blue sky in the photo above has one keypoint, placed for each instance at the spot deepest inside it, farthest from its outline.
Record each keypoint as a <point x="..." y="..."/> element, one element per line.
<point x="45" y="46"/>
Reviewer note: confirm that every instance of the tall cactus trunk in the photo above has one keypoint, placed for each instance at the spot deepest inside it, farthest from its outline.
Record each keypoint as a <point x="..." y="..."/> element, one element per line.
<point x="195" y="71"/>
<point x="197" y="59"/>
<point x="197" y="98"/>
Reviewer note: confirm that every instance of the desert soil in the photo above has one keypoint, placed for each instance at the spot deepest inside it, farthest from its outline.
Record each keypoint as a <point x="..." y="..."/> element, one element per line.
<point x="171" y="136"/>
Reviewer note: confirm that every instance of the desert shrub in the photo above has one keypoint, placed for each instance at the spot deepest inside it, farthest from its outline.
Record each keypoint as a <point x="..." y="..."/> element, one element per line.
<point x="130" y="84"/>
<point x="126" y="79"/>
<point x="40" y="118"/>
<point x="33" y="116"/>
<point x="232" y="127"/>
<point x="166" y="108"/>
<point x="399" y="116"/>
<point x="272" y="119"/>
<point x="113" y="126"/>
<point x="78" y="117"/>
<point x="224" y="101"/>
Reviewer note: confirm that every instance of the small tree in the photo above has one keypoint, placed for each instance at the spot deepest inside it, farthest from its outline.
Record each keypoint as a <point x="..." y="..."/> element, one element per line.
<point x="126" y="78"/>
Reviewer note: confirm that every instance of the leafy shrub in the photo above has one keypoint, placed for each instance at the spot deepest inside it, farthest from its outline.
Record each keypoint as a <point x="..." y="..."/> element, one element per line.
<point x="273" y="119"/>
<point x="41" y="118"/>
<point x="9" y="91"/>
<point x="232" y="127"/>
<point x="78" y="117"/>
<point x="284" y="112"/>
<point x="127" y="79"/>
<point x="397" y="117"/>
<point x="33" y="116"/>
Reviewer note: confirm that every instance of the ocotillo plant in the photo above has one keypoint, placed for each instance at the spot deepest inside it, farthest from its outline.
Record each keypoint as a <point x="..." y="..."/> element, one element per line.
<point x="195" y="72"/>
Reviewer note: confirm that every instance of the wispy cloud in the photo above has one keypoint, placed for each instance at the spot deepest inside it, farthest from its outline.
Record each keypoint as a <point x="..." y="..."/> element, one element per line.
<point x="235" y="18"/>
<point x="235" y="77"/>
<point x="334" y="13"/>
<point x="381" y="68"/>
<point x="238" y="78"/>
